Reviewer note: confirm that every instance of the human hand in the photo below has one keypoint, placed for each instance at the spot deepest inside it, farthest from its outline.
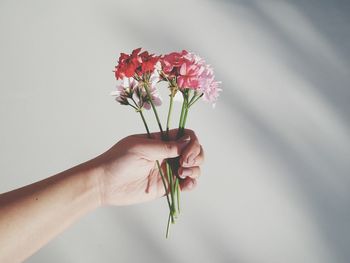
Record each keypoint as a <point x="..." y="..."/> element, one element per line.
<point x="130" y="173"/>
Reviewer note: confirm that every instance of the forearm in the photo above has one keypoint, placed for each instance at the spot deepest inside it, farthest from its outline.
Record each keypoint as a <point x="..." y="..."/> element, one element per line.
<point x="33" y="215"/>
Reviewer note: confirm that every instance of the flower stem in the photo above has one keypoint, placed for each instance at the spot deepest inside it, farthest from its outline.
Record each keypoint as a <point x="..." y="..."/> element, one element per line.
<point x="171" y="204"/>
<point x="169" y="115"/>
<point x="184" y="119"/>
<point x="193" y="101"/>
<point x="182" y="122"/>
<point x="168" y="227"/>
<point x="181" y="118"/>
<point x="166" y="190"/>
<point x="171" y="186"/>
<point x="154" y="108"/>
<point x="145" y="123"/>
<point x="173" y="189"/>
<point x="159" y="168"/>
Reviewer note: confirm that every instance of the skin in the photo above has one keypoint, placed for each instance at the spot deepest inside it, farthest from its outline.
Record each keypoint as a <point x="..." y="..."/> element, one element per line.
<point x="125" y="174"/>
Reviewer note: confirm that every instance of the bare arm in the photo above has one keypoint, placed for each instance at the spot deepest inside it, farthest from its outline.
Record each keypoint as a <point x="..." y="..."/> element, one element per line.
<point x="31" y="216"/>
<point x="125" y="174"/>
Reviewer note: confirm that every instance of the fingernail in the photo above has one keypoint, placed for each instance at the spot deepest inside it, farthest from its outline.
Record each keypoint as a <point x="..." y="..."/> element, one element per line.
<point x="185" y="172"/>
<point x="184" y="141"/>
<point x="185" y="138"/>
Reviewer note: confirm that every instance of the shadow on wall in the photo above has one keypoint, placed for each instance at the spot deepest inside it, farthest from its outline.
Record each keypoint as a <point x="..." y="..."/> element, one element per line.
<point x="329" y="74"/>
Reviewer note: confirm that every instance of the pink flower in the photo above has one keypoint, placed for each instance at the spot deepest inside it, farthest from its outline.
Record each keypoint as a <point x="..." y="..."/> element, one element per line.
<point x="208" y="85"/>
<point x="157" y="101"/>
<point x="191" y="72"/>
<point x="189" y="75"/>
<point x="195" y="59"/>
<point x="186" y="66"/>
<point x="172" y="62"/>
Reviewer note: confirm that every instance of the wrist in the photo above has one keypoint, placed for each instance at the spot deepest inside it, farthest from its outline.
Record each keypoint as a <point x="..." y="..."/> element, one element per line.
<point x="96" y="175"/>
<point x="89" y="178"/>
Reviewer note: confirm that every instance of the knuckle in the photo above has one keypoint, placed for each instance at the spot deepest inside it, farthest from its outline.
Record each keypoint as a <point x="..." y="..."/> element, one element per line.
<point x="194" y="134"/>
<point x="190" y="132"/>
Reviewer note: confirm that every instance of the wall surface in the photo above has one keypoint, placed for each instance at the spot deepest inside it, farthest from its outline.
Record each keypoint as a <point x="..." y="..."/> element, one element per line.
<point x="275" y="185"/>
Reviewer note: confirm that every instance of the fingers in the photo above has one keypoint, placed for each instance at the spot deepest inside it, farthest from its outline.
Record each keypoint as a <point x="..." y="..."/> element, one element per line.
<point x="193" y="172"/>
<point x="197" y="161"/>
<point x="188" y="184"/>
<point x="156" y="149"/>
<point x="189" y="177"/>
<point x="193" y="154"/>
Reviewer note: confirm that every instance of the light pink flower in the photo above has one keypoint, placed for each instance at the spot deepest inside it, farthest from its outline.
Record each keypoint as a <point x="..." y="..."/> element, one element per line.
<point x="125" y="90"/>
<point x="195" y="59"/>
<point x="129" y="91"/>
<point x="191" y="72"/>
<point x="208" y="85"/>
<point x="157" y="101"/>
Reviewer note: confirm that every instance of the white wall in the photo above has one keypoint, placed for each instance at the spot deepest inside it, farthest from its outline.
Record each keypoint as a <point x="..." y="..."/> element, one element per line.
<point x="275" y="186"/>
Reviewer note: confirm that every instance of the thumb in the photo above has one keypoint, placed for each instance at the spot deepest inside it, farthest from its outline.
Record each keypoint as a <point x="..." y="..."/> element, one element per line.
<point x="156" y="149"/>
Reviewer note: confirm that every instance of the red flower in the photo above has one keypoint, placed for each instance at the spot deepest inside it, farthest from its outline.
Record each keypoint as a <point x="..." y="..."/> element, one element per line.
<point x="172" y="62"/>
<point x="148" y="62"/>
<point x="128" y="64"/>
<point x="135" y="63"/>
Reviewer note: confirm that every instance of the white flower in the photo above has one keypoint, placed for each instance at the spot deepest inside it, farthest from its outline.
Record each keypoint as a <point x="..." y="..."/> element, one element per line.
<point x="129" y="91"/>
<point x="157" y="100"/>
<point x="125" y="90"/>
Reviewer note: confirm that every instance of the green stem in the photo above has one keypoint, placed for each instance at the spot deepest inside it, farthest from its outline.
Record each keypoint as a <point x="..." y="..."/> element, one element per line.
<point x="159" y="168"/>
<point x="169" y="168"/>
<point x="171" y="213"/>
<point x="193" y="97"/>
<point x="145" y="123"/>
<point x="154" y="108"/>
<point x="169" y="115"/>
<point x="181" y="133"/>
<point x="168" y="227"/>
<point x="166" y="190"/>
<point x="136" y="109"/>
<point x="185" y="119"/>
<point x="194" y="101"/>
<point x="173" y="193"/>
<point x="171" y="186"/>
<point x="181" y="118"/>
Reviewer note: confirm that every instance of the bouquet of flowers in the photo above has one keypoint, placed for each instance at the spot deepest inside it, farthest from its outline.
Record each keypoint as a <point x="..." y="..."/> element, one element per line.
<point x="186" y="74"/>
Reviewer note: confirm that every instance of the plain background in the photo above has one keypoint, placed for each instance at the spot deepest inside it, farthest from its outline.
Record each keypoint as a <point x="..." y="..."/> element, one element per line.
<point x="275" y="185"/>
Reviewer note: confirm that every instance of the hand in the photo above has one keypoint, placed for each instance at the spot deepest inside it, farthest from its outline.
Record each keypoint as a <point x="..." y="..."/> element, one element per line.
<point x="130" y="173"/>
